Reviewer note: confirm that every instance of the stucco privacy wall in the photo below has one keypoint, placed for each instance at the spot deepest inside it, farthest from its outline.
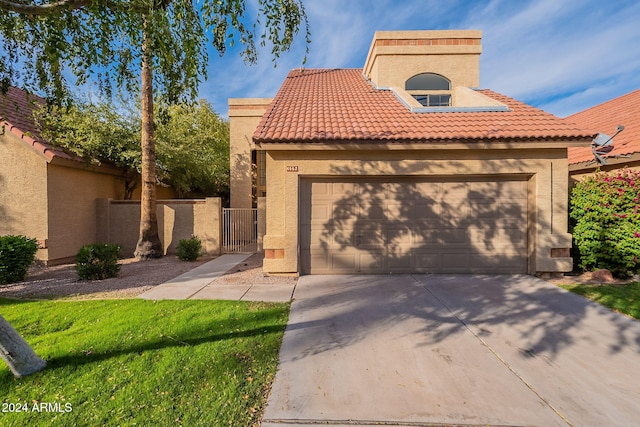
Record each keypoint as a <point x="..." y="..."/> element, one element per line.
<point x="244" y="115"/>
<point x="71" y="199"/>
<point x="544" y="169"/>
<point x="119" y="223"/>
<point x="23" y="190"/>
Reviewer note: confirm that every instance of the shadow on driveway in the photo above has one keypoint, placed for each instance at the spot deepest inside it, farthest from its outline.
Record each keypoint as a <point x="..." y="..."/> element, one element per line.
<point x="453" y="349"/>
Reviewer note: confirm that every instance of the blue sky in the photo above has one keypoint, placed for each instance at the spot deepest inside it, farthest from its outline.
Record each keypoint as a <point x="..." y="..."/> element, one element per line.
<point x="559" y="55"/>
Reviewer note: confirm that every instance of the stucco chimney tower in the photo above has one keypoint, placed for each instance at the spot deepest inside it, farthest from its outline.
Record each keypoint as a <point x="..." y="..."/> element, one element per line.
<point x="396" y="56"/>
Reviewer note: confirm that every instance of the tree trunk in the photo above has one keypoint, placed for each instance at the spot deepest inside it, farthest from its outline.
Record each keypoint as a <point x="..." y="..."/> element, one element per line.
<point x="14" y="350"/>
<point x="149" y="245"/>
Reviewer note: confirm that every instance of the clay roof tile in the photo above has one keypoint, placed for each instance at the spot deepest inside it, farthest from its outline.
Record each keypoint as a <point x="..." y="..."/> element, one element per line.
<point x="16" y="114"/>
<point x="605" y="118"/>
<point x="337" y="105"/>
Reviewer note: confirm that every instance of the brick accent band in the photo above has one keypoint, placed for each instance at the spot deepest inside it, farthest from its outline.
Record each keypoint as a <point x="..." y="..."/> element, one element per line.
<point x="274" y="253"/>
<point x="428" y="42"/>
<point x="560" y="252"/>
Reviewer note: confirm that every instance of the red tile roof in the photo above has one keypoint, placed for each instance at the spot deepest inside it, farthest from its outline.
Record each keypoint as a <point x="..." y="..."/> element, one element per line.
<point x="329" y="105"/>
<point x="605" y="117"/>
<point x="16" y="115"/>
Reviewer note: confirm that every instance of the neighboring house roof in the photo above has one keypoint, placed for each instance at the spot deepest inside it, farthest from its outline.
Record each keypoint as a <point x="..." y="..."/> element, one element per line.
<point x="333" y="105"/>
<point x="605" y="117"/>
<point x="16" y="115"/>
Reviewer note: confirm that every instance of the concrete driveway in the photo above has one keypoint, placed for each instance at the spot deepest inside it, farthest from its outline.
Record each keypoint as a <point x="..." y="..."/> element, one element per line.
<point x="453" y="350"/>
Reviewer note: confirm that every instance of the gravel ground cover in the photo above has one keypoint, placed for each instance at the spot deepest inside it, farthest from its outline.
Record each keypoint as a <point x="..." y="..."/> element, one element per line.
<point x="136" y="277"/>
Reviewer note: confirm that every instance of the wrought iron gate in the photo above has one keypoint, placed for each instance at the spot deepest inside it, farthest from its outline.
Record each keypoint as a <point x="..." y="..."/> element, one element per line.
<point x="239" y="230"/>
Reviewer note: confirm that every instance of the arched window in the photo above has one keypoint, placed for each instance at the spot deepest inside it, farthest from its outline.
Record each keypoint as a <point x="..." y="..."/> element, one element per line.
<point x="427" y="81"/>
<point x="430" y="90"/>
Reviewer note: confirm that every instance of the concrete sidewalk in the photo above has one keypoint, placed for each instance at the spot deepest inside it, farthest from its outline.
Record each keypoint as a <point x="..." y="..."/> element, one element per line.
<point x="198" y="284"/>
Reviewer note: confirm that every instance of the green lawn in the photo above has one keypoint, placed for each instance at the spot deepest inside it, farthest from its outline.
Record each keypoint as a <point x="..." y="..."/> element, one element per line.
<point x="622" y="298"/>
<point x="146" y="363"/>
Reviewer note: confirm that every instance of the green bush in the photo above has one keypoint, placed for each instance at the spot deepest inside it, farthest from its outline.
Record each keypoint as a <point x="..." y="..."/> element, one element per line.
<point x="98" y="261"/>
<point x="189" y="249"/>
<point x="16" y="255"/>
<point x="605" y="218"/>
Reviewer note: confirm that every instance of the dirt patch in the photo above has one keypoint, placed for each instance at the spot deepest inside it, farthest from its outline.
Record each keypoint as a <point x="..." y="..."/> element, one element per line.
<point x="136" y="277"/>
<point x="588" y="278"/>
<point x="250" y="271"/>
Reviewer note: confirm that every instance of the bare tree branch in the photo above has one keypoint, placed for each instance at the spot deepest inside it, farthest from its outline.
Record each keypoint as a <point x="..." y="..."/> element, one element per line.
<point x="60" y="5"/>
<point x="42" y="9"/>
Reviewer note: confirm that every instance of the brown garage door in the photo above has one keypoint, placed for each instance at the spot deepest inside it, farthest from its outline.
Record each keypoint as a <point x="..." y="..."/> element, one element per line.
<point x="407" y="225"/>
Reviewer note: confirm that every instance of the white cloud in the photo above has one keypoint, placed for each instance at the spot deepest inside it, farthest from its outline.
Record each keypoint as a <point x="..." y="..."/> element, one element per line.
<point x="554" y="48"/>
<point x="563" y="56"/>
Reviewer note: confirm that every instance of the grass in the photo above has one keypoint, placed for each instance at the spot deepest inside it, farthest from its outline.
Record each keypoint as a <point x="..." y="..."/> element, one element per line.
<point x="621" y="298"/>
<point x="146" y="363"/>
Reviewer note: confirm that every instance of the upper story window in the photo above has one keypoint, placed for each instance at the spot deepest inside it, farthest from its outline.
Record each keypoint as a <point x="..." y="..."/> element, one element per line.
<point x="430" y="90"/>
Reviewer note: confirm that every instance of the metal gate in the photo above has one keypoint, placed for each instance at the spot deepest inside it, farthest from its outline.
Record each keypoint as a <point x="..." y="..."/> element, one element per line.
<point x="239" y="230"/>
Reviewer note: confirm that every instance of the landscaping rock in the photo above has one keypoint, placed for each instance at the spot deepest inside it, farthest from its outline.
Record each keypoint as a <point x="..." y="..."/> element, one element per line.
<point x="603" y="275"/>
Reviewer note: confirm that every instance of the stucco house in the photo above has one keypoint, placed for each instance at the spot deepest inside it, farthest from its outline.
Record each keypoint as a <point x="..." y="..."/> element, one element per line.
<point x="624" y="151"/>
<point x="405" y="166"/>
<point x="46" y="193"/>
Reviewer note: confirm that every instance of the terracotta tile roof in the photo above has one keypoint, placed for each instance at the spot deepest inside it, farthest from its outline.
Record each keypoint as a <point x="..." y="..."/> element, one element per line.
<point x="333" y="105"/>
<point x="16" y="115"/>
<point x="605" y="117"/>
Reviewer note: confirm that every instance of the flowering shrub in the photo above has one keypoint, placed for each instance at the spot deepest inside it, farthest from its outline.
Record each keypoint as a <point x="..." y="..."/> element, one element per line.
<point x="605" y="215"/>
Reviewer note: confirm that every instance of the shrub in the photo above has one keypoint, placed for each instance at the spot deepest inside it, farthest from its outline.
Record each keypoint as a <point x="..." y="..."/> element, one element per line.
<point x="98" y="261"/>
<point x="189" y="249"/>
<point x="16" y="255"/>
<point x="605" y="214"/>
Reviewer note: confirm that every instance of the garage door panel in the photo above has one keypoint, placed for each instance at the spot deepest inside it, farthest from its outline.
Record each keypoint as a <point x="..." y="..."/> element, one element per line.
<point x="343" y="188"/>
<point x="425" y="210"/>
<point x="453" y="236"/>
<point x="454" y="262"/>
<point x="395" y="210"/>
<point x="512" y="189"/>
<point x="319" y="261"/>
<point x="344" y="210"/>
<point x="373" y="238"/>
<point x="372" y="211"/>
<point x="319" y="237"/>
<point x="426" y="262"/>
<point x="455" y="208"/>
<point x="344" y="261"/>
<point x="395" y="236"/>
<point x="371" y="262"/>
<point x="428" y="190"/>
<point x="512" y="212"/>
<point x="400" y="261"/>
<point x="503" y="263"/>
<point x="454" y="189"/>
<point x="415" y="226"/>
<point x="319" y="189"/>
<point x="426" y="236"/>
<point x="321" y="212"/>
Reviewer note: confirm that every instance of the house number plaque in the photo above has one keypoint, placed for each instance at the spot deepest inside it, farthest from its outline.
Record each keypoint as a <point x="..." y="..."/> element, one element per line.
<point x="292" y="168"/>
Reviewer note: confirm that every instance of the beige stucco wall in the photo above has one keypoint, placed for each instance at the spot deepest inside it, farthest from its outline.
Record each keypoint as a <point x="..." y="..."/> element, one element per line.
<point x="545" y="169"/>
<point x="244" y="117"/>
<point x="72" y="193"/>
<point x="23" y="190"/>
<point x="177" y="219"/>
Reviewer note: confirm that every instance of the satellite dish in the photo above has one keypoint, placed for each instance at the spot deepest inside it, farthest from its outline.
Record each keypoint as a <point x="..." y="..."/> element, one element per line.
<point x="601" y="145"/>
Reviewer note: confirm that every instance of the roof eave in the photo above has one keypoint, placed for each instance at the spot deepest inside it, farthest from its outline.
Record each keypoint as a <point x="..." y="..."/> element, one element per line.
<point x="426" y="144"/>
<point x="592" y="164"/>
